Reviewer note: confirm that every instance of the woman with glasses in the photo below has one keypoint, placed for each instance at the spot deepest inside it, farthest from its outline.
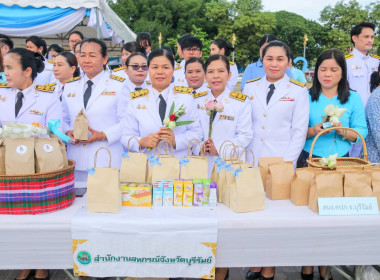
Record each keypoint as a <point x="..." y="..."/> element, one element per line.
<point x="137" y="71"/>
<point x="127" y="49"/>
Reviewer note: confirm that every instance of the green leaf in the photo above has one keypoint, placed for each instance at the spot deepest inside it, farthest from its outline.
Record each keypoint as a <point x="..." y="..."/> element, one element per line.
<point x="171" y="109"/>
<point x="183" y="123"/>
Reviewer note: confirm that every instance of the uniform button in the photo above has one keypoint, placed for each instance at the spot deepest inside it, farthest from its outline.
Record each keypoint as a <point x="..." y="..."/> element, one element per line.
<point x="84" y="145"/>
<point x="265" y="115"/>
<point x="262" y="139"/>
<point x="263" y="127"/>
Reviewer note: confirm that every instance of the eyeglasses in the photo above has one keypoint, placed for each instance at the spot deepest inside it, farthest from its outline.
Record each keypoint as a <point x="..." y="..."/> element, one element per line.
<point x="75" y="41"/>
<point x="137" y="67"/>
<point x="191" y="50"/>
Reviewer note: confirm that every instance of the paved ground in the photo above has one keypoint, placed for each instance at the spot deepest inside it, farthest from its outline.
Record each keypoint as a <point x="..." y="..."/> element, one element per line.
<point x="282" y="273"/>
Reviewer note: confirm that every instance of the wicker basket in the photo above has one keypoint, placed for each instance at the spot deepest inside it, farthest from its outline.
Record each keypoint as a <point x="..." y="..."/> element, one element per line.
<point x="37" y="193"/>
<point x="342" y="161"/>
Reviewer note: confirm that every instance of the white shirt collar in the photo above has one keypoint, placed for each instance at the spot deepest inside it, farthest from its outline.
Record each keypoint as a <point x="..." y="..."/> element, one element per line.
<point x="276" y="84"/>
<point x="164" y="93"/>
<point x="29" y="92"/>
<point x="357" y="53"/>
<point x="95" y="79"/>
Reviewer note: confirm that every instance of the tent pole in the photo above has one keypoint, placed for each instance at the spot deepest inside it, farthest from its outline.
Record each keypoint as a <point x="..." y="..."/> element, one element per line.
<point x="99" y="33"/>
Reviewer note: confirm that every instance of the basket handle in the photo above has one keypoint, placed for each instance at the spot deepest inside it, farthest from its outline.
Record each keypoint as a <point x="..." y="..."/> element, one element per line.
<point x="96" y="156"/>
<point x="137" y="140"/>
<point x="365" y="155"/>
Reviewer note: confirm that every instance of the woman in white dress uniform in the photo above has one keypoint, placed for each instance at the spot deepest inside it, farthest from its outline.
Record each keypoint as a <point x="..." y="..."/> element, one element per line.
<point x="100" y="96"/>
<point x="195" y="74"/>
<point x="21" y="100"/>
<point x="148" y="108"/>
<point x="137" y="71"/>
<point x="280" y="116"/>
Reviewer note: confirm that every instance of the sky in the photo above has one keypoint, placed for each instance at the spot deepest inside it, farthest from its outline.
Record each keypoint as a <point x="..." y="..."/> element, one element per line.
<point x="309" y="9"/>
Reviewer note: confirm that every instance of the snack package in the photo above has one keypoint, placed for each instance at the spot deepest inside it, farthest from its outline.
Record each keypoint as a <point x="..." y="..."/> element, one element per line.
<point x="158" y="189"/>
<point x="136" y="194"/>
<point x="19" y="156"/>
<point x="81" y="126"/>
<point x="167" y="197"/>
<point x="213" y="195"/>
<point x="48" y="155"/>
<point x="178" y="192"/>
<point x="206" y="191"/>
<point x="188" y="193"/>
<point x="198" y="192"/>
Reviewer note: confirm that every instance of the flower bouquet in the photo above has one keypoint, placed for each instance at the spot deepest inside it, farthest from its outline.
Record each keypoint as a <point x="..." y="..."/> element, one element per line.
<point x="332" y="115"/>
<point x="172" y="121"/>
<point x="211" y="108"/>
<point x="22" y="130"/>
<point x="330" y="161"/>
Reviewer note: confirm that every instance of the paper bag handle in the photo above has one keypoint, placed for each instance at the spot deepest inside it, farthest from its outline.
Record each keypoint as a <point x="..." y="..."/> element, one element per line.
<point x="193" y="143"/>
<point x="137" y="140"/>
<point x="168" y="145"/>
<point x="96" y="156"/>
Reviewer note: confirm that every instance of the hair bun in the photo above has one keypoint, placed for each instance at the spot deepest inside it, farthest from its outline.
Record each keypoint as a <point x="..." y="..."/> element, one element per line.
<point x="39" y="62"/>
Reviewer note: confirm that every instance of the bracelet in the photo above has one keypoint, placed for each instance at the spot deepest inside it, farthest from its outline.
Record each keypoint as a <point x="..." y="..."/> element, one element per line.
<point x="104" y="136"/>
<point x="344" y="134"/>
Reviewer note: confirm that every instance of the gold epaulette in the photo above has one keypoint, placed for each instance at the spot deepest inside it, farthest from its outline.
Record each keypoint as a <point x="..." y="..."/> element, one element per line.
<point x="73" y="79"/>
<point x="232" y="63"/>
<point x="118" y="69"/>
<point x="349" y="56"/>
<point x="50" y="61"/>
<point x="51" y="84"/>
<point x="297" y="82"/>
<point x="179" y="67"/>
<point x="139" y="93"/>
<point x="199" y="94"/>
<point x="253" y="80"/>
<point x="374" y="55"/>
<point x="117" y="78"/>
<point x="238" y="96"/>
<point x="4" y="85"/>
<point x="183" y="89"/>
<point x="44" y="88"/>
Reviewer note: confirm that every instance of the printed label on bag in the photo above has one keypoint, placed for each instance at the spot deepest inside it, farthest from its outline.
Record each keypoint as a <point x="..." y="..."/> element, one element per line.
<point x="347" y="206"/>
<point x="48" y="148"/>
<point x="21" y="150"/>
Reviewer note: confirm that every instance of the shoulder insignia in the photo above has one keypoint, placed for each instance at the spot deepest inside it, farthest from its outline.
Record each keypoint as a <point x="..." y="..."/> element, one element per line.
<point x="349" y="56"/>
<point x="253" y="80"/>
<point x="139" y="93"/>
<point x="183" y="89"/>
<point x="4" y="85"/>
<point x="45" y="88"/>
<point x="148" y="82"/>
<point x="199" y="94"/>
<point x="374" y="55"/>
<point x="117" y="78"/>
<point x="297" y="83"/>
<point x="118" y="69"/>
<point x="50" y="61"/>
<point x="238" y="96"/>
<point x="73" y="79"/>
<point x="232" y="63"/>
<point x="179" y="67"/>
<point x="51" y="84"/>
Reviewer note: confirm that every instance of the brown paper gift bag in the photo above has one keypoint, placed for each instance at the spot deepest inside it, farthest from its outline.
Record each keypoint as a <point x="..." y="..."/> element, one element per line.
<point x="63" y="150"/>
<point x="133" y="165"/>
<point x="357" y="184"/>
<point x="194" y="167"/>
<point x="300" y="185"/>
<point x="279" y="179"/>
<point x="48" y="155"/>
<point x="81" y="126"/>
<point x="103" y="188"/>
<point x="264" y="170"/>
<point x="2" y="158"/>
<point x="19" y="156"/>
<point x="164" y="167"/>
<point x="325" y="184"/>
<point x="375" y="176"/>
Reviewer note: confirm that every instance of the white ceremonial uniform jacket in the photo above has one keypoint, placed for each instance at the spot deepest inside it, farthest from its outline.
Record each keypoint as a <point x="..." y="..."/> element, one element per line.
<point x="234" y="123"/>
<point x="104" y="111"/>
<point x="179" y="75"/>
<point x="143" y="118"/>
<point x="234" y="76"/>
<point x="120" y="72"/>
<point x="359" y="70"/>
<point x="279" y="128"/>
<point x="39" y="105"/>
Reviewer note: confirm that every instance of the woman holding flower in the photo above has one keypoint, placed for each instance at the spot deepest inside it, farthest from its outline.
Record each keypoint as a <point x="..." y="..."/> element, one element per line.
<point x="162" y="111"/>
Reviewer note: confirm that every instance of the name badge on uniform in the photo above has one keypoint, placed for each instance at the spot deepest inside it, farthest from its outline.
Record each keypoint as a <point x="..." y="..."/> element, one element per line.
<point x="35" y="112"/>
<point x="226" y="117"/>
<point x="287" y="99"/>
<point x="108" y="93"/>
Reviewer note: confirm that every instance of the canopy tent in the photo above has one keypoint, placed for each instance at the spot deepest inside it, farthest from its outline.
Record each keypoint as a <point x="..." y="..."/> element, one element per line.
<point x="46" y="17"/>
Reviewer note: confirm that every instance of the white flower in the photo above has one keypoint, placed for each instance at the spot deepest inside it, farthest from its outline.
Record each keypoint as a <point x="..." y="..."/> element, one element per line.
<point x="334" y="120"/>
<point x="171" y="125"/>
<point x="338" y="112"/>
<point x="329" y="110"/>
<point x="166" y="121"/>
<point x="323" y="161"/>
<point x="333" y="157"/>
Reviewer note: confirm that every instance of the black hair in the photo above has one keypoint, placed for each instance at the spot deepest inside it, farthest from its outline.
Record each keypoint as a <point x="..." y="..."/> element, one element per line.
<point x="375" y="79"/>
<point x="55" y="47"/>
<point x="191" y="41"/>
<point x="133" y="47"/>
<point x="218" y="57"/>
<point x="29" y="59"/>
<point x="266" y="39"/>
<point x="6" y="40"/>
<point x="223" y="44"/>
<point x="78" y="33"/>
<point x="278" y="44"/>
<point x="144" y="39"/>
<point x="183" y="37"/>
<point x="102" y="45"/>
<point x="71" y="59"/>
<point x="194" y="60"/>
<point x="343" y="88"/>
<point x="161" y="52"/>
<point x="169" y="49"/>
<point x="77" y="44"/>
<point x="39" y="42"/>
<point x="133" y="55"/>
<point x="357" y="29"/>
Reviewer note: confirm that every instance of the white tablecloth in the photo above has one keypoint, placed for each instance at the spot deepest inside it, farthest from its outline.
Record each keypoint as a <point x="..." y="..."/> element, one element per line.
<point x="280" y="235"/>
